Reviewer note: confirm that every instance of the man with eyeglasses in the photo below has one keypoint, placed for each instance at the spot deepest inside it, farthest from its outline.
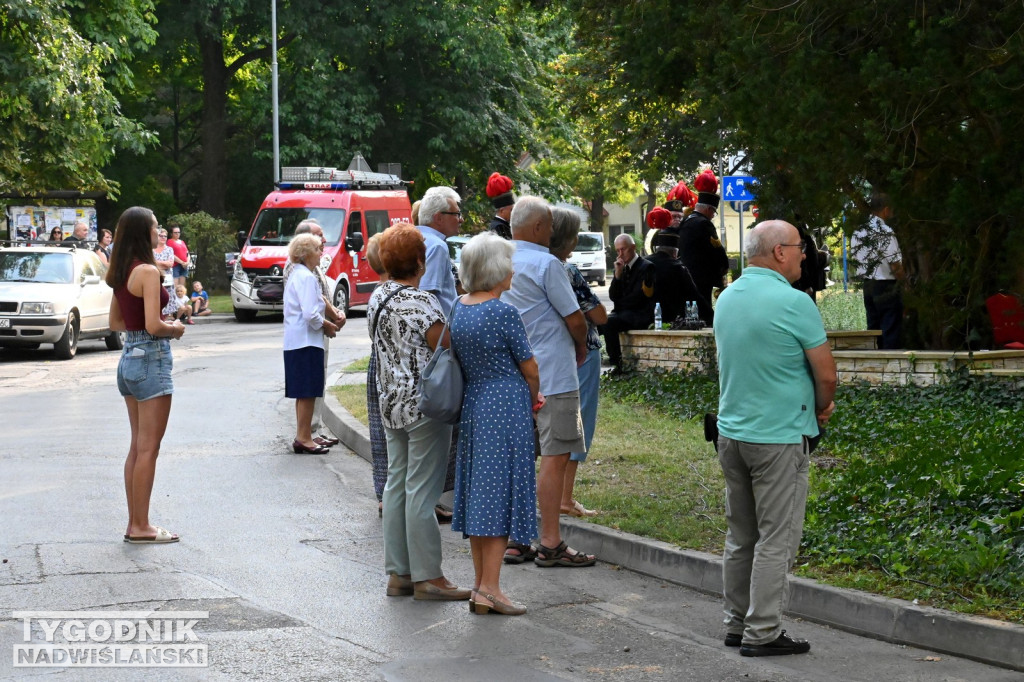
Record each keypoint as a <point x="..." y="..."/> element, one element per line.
<point x="440" y="218"/>
<point x="777" y="379"/>
<point x="700" y="249"/>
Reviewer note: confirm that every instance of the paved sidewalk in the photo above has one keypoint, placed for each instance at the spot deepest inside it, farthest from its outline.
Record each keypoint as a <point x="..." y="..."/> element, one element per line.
<point x="891" y="620"/>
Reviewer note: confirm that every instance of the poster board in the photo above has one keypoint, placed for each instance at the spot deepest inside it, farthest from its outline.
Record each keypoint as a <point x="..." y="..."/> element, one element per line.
<point x="35" y="222"/>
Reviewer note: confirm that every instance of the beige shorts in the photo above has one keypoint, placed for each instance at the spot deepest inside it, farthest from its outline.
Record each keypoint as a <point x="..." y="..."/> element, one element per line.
<point x="560" y="426"/>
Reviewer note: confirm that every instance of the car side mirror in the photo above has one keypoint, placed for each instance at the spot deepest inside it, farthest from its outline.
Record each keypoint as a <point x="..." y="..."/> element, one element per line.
<point x="240" y="239"/>
<point x="354" y="241"/>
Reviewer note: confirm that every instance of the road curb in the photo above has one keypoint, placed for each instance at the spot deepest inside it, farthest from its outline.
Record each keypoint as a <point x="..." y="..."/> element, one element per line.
<point x="890" y="620"/>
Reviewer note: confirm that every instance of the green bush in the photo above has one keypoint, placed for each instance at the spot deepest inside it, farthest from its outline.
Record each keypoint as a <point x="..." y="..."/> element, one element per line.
<point x="208" y="238"/>
<point x="842" y="310"/>
<point x="925" y="483"/>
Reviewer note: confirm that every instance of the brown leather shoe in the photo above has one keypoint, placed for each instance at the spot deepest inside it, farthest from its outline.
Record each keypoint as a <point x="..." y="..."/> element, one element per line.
<point x="425" y="591"/>
<point x="399" y="586"/>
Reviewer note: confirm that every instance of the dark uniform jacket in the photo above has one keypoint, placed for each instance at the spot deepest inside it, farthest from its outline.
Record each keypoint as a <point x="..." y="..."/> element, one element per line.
<point x="633" y="294"/>
<point x="812" y="268"/>
<point x="674" y="286"/>
<point x="500" y="227"/>
<point x="702" y="253"/>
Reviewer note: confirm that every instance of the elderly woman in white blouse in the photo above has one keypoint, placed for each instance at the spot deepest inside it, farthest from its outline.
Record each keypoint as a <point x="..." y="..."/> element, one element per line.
<point x="304" y="329"/>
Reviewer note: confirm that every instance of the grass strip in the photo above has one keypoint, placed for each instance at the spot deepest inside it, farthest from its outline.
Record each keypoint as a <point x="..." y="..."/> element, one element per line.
<point x="873" y="524"/>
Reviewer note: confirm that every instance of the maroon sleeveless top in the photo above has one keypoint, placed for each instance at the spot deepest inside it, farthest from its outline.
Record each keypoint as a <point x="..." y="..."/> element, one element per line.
<point x="133" y="308"/>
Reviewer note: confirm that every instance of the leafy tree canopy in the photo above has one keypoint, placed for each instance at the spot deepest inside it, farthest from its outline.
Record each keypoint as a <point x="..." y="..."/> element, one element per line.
<point x="62" y="63"/>
<point x="445" y="89"/>
<point x="833" y="100"/>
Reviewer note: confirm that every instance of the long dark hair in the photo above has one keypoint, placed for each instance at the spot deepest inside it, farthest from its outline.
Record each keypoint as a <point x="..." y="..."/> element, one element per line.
<point x="132" y="242"/>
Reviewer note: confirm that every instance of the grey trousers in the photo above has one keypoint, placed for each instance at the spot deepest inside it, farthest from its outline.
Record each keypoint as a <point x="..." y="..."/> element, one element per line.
<point x="417" y="458"/>
<point x="765" y="499"/>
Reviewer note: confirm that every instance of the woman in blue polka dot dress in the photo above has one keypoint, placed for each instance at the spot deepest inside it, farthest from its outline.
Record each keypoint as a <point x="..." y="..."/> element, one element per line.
<point x="495" y="480"/>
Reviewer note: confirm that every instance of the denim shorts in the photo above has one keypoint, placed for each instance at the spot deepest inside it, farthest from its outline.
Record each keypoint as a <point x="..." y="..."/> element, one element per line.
<point x="178" y="270"/>
<point x="144" y="370"/>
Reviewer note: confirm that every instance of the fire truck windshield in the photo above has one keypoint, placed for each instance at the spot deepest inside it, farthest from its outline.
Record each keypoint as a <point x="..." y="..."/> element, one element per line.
<point x="276" y="226"/>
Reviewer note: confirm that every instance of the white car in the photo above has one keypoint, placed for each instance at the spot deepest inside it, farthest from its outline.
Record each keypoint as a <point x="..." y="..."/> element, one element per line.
<point x="54" y="294"/>
<point x="589" y="257"/>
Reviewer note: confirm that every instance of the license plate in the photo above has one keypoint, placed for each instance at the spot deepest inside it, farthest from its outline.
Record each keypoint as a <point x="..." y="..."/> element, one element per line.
<point x="5" y="323"/>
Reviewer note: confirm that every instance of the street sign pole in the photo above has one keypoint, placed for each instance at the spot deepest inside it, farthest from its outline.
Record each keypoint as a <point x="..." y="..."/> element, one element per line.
<point x="736" y="188"/>
<point x="721" y="214"/>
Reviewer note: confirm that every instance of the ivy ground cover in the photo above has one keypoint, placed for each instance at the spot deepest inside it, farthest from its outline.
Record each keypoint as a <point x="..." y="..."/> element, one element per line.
<point x="916" y="492"/>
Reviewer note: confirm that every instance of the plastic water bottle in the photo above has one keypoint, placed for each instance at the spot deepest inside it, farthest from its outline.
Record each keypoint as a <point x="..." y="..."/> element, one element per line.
<point x="657" y="317"/>
<point x="696" y="316"/>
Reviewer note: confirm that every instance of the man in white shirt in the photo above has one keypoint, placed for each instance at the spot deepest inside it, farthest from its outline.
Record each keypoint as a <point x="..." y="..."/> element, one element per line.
<point x="879" y="264"/>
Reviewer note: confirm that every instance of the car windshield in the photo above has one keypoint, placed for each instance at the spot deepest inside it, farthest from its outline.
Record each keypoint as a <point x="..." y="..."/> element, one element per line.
<point x="276" y="226"/>
<point x="589" y="242"/>
<point x="33" y="266"/>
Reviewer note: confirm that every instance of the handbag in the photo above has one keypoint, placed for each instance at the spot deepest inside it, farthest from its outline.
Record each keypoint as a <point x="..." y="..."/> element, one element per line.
<point x="441" y="382"/>
<point x="272" y="292"/>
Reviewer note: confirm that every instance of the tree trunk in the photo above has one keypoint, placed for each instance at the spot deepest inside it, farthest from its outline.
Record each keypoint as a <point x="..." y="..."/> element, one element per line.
<point x="597" y="212"/>
<point x="652" y="197"/>
<point x="214" y="123"/>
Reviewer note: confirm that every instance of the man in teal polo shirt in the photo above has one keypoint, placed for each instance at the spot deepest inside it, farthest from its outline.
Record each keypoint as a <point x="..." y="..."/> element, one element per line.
<point x="777" y="380"/>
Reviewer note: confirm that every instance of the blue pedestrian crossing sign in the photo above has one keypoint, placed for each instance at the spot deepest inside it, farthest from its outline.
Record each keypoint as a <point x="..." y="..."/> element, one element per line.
<point x="738" y="187"/>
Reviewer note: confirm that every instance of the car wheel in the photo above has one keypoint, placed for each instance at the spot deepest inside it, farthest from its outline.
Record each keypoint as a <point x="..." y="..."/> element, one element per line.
<point x="67" y="346"/>
<point x="244" y="314"/>
<point x="341" y="298"/>
<point x="115" y="340"/>
<point x="600" y="282"/>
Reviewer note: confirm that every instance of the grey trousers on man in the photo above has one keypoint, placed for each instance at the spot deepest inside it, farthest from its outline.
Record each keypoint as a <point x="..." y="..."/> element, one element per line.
<point x="765" y="499"/>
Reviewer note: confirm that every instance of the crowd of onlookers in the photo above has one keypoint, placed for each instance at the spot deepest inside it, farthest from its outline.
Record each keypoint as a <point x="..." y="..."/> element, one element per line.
<point x="523" y="325"/>
<point x="172" y="260"/>
<point x="521" y="321"/>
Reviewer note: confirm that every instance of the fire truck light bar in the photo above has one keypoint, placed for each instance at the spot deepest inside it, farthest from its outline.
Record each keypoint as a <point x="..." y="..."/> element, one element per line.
<point x="318" y="177"/>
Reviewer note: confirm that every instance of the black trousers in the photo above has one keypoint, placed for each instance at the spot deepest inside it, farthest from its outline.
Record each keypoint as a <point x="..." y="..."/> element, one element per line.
<point x="883" y="303"/>
<point x="622" y="322"/>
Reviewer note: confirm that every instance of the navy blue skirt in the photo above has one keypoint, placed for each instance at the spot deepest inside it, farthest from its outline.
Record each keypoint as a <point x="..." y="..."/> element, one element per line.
<point x="304" y="372"/>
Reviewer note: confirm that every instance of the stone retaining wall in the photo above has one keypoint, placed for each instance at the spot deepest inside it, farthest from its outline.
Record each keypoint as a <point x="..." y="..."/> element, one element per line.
<point x="855" y="358"/>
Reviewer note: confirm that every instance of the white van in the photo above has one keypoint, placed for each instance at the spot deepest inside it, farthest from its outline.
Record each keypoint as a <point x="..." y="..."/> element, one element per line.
<point x="589" y="257"/>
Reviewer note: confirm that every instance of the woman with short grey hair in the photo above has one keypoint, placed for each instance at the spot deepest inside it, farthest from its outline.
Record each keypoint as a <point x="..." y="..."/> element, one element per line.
<point x="305" y="325"/>
<point x="565" y="230"/>
<point x="495" y="480"/>
<point x="490" y="264"/>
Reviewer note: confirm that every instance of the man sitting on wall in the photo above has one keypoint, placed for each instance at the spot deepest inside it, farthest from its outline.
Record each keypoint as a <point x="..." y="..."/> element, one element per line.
<point x="632" y="293"/>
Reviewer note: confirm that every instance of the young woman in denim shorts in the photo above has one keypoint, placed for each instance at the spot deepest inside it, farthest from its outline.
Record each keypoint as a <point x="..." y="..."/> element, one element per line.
<point x="144" y="371"/>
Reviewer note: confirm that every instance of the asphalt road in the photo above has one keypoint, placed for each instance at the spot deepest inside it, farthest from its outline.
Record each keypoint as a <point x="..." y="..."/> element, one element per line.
<point x="284" y="551"/>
